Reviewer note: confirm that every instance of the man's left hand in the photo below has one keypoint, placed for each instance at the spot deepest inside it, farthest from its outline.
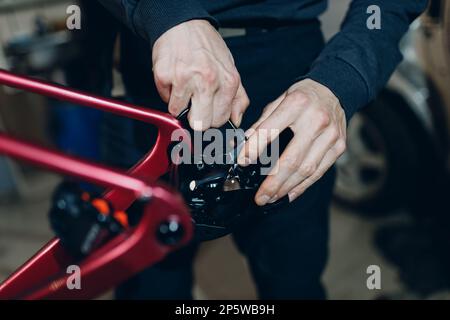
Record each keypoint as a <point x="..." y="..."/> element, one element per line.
<point x="317" y="120"/>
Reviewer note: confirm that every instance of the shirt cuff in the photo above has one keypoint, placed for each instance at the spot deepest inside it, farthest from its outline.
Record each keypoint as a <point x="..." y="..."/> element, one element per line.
<point x="154" y="17"/>
<point x="343" y="80"/>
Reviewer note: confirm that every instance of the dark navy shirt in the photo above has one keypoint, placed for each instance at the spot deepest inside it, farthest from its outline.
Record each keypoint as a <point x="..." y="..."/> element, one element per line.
<point x="355" y="64"/>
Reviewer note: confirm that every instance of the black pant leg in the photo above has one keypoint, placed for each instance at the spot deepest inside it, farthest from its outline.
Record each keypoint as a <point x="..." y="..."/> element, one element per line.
<point x="170" y="279"/>
<point x="287" y="250"/>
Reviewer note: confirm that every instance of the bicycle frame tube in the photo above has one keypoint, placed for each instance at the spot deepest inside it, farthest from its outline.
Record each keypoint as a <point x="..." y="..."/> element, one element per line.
<point x="43" y="276"/>
<point x="152" y="166"/>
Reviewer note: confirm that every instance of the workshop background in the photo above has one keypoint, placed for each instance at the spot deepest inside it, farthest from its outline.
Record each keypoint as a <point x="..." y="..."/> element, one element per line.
<point x="391" y="205"/>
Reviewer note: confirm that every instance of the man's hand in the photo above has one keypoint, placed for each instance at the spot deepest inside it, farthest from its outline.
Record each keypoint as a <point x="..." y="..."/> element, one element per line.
<point x="192" y="62"/>
<point x="317" y="119"/>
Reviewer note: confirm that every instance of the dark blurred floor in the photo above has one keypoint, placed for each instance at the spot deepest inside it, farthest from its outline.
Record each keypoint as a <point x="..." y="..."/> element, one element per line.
<point x="220" y="270"/>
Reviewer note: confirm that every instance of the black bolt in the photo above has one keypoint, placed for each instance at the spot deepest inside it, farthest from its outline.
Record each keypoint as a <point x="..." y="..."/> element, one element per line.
<point x="170" y="232"/>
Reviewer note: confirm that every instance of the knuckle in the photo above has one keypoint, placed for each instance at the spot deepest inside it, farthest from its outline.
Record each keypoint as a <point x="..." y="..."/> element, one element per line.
<point x="298" y="96"/>
<point x="209" y="75"/>
<point x="307" y="169"/>
<point x="341" y="146"/>
<point x="162" y="75"/>
<point x="322" y="118"/>
<point x="304" y="99"/>
<point x="298" y="100"/>
<point x="232" y="80"/>
<point x="173" y="109"/>
<point x="290" y="163"/>
<point x="334" y="134"/>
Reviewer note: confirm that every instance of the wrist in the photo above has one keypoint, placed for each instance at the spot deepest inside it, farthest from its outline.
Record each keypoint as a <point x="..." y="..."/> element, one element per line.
<point x="344" y="81"/>
<point x="154" y="18"/>
<point x="317" y="89"/>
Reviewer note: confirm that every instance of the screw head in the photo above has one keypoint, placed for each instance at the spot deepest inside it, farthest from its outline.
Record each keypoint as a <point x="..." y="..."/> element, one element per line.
<point x="170" y="232"/>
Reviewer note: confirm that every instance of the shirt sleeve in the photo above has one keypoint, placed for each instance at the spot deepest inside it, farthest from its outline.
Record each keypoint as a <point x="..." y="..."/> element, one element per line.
<point x="358" y="62"/>
<point x="149" y="19"/>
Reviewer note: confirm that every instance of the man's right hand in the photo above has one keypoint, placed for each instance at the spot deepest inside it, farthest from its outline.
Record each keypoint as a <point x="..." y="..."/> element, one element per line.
<point x="191" y="62"/>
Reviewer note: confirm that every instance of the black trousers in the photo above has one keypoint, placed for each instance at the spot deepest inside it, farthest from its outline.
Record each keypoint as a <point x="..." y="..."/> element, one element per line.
<point x="286" y="251"/>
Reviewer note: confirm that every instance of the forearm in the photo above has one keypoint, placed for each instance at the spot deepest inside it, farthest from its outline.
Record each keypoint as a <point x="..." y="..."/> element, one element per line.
<point x="149" y="19"/>
<point x="358" y="61"/>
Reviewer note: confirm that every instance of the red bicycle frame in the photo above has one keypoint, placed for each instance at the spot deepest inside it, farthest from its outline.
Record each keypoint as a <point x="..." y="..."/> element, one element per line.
<point x="44" y="275"/>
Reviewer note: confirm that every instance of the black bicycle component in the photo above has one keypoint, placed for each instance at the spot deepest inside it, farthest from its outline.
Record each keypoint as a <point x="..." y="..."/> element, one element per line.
<point x="170" y="233"/>
<point x="221" y="193"/>
<point x="81" y="221"/>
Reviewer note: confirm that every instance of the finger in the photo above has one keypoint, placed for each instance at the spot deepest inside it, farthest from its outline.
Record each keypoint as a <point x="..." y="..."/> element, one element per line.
<point x="164" y="91"/>
<point x="201" y="113"/>
<point x="162" y="77"/>
<point x="328" y="160"/>
<point x="312" y="160"/>
<point x="266" y="113"/>
<point x="267" y="131"/>
<point x="223" y="99"/>
<point x="286" y="166"/>
<point x="179" y="99"/>
<point x="298" y="149"/>
<point x="239" y="104"/>
<point x="221" y="109"/>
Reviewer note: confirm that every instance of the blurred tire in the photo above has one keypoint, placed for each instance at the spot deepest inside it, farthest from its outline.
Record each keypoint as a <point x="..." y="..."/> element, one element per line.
<point x="380" y="169"/>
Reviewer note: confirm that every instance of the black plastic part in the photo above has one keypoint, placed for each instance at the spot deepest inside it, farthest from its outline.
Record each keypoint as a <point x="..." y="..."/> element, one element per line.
<point x="217" y="210"/>
<point x="170" y="233"/>
<point x="79" y="225"/>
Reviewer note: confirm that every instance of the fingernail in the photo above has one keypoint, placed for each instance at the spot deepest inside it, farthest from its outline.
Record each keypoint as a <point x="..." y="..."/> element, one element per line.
<point x="292" y="196"/>
<point x="262" y="200"/>
<point x="273" y="199"/>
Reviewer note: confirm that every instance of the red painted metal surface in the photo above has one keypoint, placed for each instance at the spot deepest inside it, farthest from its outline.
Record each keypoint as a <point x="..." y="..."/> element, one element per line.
<point x="152" y="166"/>
<point x="68" y="165"/>
<point x="44" y="275"/>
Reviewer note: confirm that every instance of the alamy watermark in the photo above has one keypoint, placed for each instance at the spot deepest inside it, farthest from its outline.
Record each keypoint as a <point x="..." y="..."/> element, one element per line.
<point x="217" y="146"/>
<point x="74" y="280"/>
<point x="374" y="20"/>
<point x="73" y="21"/>
<point x="373" y="282"/>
